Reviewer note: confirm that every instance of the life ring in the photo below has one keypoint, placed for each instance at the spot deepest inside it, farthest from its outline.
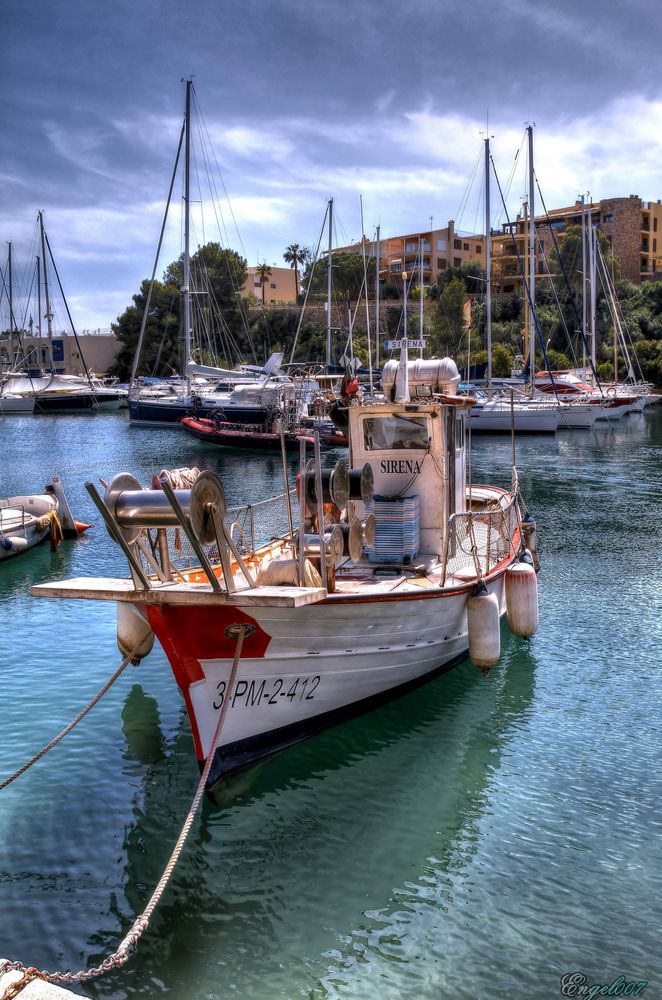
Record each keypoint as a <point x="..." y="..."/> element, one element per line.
<point x="611" y="391"/>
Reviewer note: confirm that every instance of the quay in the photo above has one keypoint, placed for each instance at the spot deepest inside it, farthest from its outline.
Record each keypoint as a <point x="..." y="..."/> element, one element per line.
<point x="36" y="989"/>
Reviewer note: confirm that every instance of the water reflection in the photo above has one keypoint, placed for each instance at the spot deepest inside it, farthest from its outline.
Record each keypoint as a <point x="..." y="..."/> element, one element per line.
<point x="141" y="727"/>
<point x="327" y="832"/>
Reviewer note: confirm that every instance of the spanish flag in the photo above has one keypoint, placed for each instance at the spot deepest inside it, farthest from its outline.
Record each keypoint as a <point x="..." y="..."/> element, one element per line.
<point x="467" y="314"/>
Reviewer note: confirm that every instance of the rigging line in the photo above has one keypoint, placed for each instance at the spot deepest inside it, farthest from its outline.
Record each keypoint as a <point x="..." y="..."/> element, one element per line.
<point x="467" y="190"/>
<point x="66" y="306"/>
<point x="143" y="322"/>
<point x="478" y="203"/>
<point x="511" y="176"/>
<point x="310" y="282"/>
<point x="206" y="145"/>
<point x="559" y="307"/>
<point x="526" y="286"/>
<point x="571" y="292"/>
<point x="220" y="174"/>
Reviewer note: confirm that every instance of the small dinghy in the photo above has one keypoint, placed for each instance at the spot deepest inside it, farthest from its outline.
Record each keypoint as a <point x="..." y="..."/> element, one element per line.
<point x="26" y="521"/>
<point x="31" y="518"/>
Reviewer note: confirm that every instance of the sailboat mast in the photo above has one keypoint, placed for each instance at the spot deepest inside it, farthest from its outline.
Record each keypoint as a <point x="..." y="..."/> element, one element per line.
<point x="527" y="318"/>
<point x="420" y="291"/>
<point x="187" y="256"/>
<point x="328" y="285"/>
<point x="49" y="313"/>
<point x="532" y="265"/>
<point x="593" y="236"/>
<point x="11" y="308"/>
<point x="488" y="268"/>
<point x="583" y="289"/>
<point x="39" y="304"/>
<point x="377" y="297"/>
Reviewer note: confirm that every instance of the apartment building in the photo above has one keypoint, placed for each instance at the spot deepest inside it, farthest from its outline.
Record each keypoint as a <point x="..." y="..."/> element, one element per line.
<point x="431" y="252"/>
<point x="632" y="226"/>
<point x="279" y="285"/>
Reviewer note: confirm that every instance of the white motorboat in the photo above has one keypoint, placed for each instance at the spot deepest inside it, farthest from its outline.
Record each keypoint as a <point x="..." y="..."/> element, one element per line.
<point x="270" y="643"/>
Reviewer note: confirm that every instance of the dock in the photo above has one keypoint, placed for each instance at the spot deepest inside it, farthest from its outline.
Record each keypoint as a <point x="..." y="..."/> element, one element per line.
<point x="36" y="989"/>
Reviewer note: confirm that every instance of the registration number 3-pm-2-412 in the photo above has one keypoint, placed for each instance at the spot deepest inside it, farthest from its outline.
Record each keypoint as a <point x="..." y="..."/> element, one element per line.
<point x="249" y="694"/>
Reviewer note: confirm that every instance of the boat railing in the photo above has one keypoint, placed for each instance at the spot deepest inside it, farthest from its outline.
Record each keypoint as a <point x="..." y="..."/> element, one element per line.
<point x="478" y="540"/>
<point x="250" y="526"/>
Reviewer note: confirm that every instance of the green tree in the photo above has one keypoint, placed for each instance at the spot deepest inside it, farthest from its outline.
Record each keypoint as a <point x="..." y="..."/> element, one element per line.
<point x="347" y="275"/>
<point x="264" y="272"/>
<point x="295" y="255"/>
<point x="447" y="318"/>
<point x="217" y="277"/>
<point x="162" y="352"/>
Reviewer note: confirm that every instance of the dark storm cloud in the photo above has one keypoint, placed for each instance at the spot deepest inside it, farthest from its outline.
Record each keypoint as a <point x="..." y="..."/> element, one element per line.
<point x="306" y="98"/>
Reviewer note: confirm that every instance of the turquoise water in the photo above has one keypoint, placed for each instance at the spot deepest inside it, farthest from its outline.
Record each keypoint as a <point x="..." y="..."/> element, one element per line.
<point x="479" y="838"/>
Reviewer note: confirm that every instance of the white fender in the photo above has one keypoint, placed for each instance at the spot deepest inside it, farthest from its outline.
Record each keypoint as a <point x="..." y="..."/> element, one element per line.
<point x="483" y="627"/>
<point x="522" y="599"/>
<point x="134" y="633"/>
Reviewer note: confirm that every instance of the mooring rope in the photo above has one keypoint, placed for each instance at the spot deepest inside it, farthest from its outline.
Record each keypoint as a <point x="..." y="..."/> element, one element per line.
<point x="67" y="729"/>
<point x="140" y="924"/>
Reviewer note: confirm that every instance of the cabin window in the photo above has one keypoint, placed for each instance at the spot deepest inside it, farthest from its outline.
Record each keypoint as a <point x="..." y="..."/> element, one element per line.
<point x="395" y="432"/>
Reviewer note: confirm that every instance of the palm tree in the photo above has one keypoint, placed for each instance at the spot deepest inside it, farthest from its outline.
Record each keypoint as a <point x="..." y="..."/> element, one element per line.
<point x="264" y="272"/>
<point x="295" y="255"/>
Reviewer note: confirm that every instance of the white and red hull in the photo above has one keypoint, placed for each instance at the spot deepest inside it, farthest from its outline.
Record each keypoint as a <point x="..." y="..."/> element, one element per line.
<point x="305" y="669"/>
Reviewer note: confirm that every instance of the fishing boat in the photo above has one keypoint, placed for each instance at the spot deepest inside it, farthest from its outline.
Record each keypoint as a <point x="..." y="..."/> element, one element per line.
<point x="391" y="566"/>
<point x="249" y="437"/>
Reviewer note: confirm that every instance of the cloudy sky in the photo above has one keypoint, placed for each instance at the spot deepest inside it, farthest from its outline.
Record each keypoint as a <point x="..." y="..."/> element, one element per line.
<point x="306" y="100"/>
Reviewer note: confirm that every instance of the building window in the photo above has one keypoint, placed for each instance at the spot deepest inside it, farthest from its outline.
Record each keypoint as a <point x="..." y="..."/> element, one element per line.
<point x="479" y="249"/>
<point x="655" y="225"/>
<point x="465" y="246"/>
<point x="608" y="218"/>
<point x="654" y="246"/>
<point x="442" y="245"/>
<point x="457" y="244"/>
<point x="457" y="262"/>
<point x="441" y="263"/>
<point x="272" y="286"/>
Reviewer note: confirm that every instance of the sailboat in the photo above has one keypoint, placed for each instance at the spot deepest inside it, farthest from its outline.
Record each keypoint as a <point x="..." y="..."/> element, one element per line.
<point x="497" y="413"/>
<point x="55" y="392"/>
<point x="9" y="402"/>
<point x="246" y="395"/>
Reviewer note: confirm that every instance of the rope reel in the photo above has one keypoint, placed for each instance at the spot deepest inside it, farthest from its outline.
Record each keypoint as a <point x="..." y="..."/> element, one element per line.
<point x="207" y="503"/>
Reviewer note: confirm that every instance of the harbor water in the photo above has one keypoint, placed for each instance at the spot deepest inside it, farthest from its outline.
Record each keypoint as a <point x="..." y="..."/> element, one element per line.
<point x="479" y="838"/>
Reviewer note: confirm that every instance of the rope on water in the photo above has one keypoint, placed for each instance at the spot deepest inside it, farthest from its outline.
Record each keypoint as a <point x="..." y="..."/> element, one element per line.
<point x="67" y="729"/>
<point x="140" y="924"/>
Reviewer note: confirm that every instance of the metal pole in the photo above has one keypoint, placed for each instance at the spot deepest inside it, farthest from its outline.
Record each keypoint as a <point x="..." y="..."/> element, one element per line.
<point x="532" y="262"/>
<point x="377" y="297"/>
<point x="420" y="281"/>
<point x="302" y="508"/>
<point x="319" y="496"/>
<point x="583" y="290"/>
<point x="488" y="269"/>
<point x="329" y="284"/>
<point x="187" y="263"/>
<point x="286" y="484"/>
<point x="49" y="314"/>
